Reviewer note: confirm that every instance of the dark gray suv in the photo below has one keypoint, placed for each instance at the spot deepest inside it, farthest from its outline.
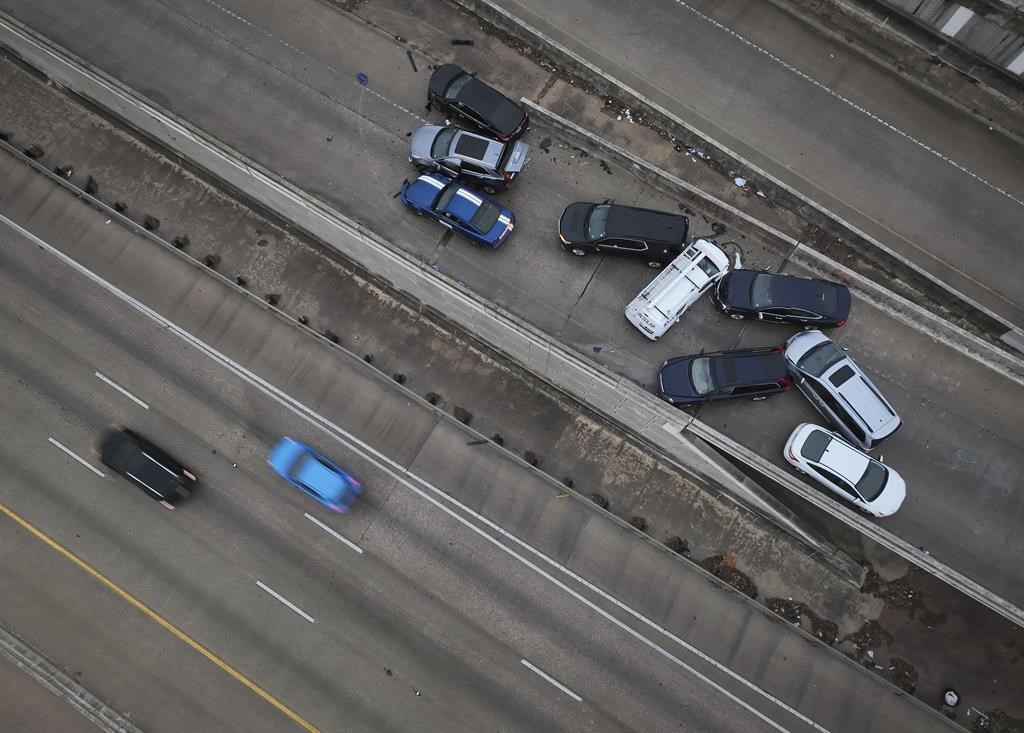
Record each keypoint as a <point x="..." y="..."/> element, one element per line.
<point x="469" y="157"/>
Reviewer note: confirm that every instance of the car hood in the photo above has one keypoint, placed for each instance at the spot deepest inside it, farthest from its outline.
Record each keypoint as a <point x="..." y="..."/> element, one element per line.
<point x="423" y="191"/>
<point x="737" y="284"/>
<point x="423" y="140"/>
<point x="572" y="224"/>
<point x="442" y="77"/>
<point x="892" y="495"/>
<point x="675" y="378"/>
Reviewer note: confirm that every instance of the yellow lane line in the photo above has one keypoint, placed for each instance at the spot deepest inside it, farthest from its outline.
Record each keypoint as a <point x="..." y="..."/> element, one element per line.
<point x="160" y="620"/>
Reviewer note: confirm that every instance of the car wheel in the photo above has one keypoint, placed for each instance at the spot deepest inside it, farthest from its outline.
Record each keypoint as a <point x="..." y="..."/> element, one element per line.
<point x="421" y="168"/>
<point x="578" y="252"/>
<point x="654" y="265"/>
<point x="735" y="316"/>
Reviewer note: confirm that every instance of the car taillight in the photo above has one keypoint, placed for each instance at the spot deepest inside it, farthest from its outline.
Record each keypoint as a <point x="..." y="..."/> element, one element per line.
<point x="785" y="381"/>
<point x="789" y="452"/>
<point x="507" y="176"/>
<point x="504" y="234"/>
<point x="842" y="322"/>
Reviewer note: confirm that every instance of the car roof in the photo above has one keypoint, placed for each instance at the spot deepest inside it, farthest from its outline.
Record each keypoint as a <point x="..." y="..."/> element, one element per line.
<point x="465" y="203"/>
<point x="474" y="147"/>
<point x="749" y="367"/>
<point x="499" y="109"/>
<point x="862" y="397"/>
<point x="324" y="480"/>
<point x="801" y="292"/>
<point x="844" y="460"/>
<point x="126" y="453"/>
<point x="629" y="221"/>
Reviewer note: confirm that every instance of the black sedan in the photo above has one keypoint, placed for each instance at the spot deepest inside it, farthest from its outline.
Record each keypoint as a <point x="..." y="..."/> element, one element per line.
<point x="768" y="296"/>
<point x="146" y="466"/>
<point x="656" y="236"/>
<point x="460" y="92"/>
<point x="751" y="373"/>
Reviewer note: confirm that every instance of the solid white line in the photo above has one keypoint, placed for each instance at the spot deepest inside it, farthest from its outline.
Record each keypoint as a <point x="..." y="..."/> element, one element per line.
<point x="80" y="460"/>
<point x="405" y="477"/>
<point x="286" y="602"/>
<point x="123" y="391"/>
<point x="330" y="531"/>
<point x="553" y="681"/>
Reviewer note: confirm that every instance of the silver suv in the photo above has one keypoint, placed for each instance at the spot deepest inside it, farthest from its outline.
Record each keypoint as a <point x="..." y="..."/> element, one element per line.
<point x="839" y="390"/>
<point x="467" y="156"/>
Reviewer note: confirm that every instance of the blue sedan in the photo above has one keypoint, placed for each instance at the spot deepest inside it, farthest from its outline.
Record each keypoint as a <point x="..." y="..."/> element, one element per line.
<point x="303" y="467"/>
<point x="484" y="222"/>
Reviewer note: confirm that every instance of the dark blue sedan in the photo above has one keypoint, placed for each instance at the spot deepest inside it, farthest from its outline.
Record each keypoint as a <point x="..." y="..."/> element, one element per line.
<point x="303" y="467"/>
<point x="484" y="222"/>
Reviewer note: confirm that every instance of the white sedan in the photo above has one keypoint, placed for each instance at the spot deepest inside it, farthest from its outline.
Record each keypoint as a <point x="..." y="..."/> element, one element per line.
<point x="847" y="471"/>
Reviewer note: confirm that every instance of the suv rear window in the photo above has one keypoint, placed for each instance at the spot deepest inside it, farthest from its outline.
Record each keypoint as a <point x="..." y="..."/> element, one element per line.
<point x="821" y="358"/>
<point x="485" y="217"/>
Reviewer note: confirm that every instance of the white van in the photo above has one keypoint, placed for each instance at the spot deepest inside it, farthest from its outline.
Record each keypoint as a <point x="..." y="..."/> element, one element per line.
<point x="677" y="287"/>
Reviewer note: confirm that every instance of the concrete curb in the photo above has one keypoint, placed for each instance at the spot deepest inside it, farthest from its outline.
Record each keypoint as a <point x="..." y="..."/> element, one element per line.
<point x="956" y="303"/>
<point x="37" y="666"/>
<point x="620" y="400"/>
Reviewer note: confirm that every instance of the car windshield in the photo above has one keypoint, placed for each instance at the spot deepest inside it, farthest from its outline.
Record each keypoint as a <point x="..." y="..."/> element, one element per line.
<point x="485" y="217"/>
<point x="452" y="92"/>
<point x="873" y="480"/>
<point x="445" y="197"/>
<point x="596" y="222"/>
<point x="700" y="375"/>
<point x="710" y="268"/>
<point x="761" y="292"/>
<point x="442" y="143"/>
<point x="821" y="358"/>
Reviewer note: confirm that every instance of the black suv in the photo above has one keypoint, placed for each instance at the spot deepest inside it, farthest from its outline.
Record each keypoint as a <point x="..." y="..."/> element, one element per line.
<point x="146" y="466"/>
<point x="455" y="89"/>
<point x="656" y="236"/>
<point x="768" y="296"/>
<point x="752" y="373"/>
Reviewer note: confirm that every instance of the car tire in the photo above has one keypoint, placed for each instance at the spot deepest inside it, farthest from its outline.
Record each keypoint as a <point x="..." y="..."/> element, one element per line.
<point x="736" y="316"/>
<point x="655" y="265"/>
<point x="578" y="252"/>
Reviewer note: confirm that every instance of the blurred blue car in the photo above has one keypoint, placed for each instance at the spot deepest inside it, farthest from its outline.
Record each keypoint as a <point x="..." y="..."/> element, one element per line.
<point x="303" y="467"/>
<point x="483" y="221"/>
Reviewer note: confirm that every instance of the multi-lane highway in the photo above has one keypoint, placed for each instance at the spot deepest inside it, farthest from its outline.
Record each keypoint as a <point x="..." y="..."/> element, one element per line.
<point x="450" y="599"/>
<point x="280" y="87"/>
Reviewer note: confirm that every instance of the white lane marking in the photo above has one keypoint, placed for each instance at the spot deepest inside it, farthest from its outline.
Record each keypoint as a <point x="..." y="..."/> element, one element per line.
<point x="80" y="460"/>
<point x="331" y="532"/>
<point x="399" y="473"/>
<point x="123" y="391"/>
<point x="849" y="102"/>
<point x="285" y="601"/>
<point x="552" y="680"/>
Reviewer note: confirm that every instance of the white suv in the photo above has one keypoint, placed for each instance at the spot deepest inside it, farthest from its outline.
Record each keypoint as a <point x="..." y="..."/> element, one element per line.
<point x="847" y="471"/>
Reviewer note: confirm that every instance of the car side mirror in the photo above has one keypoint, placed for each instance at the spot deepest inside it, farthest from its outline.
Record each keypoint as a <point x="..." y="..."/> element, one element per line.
<point x="881" y="458"/>
<point x="846" y="348"/>
<point x="737" y="265"/>
<point x="768" y="269"/>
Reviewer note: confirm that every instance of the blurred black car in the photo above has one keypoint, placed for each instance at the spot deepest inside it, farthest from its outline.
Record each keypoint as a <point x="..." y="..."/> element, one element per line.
<point x="656" y="236"/>
<point x="456" y="90"/>
<point x="752" y="373"/>
<point x="768" y="296"/>
<point x="146" y="466"/>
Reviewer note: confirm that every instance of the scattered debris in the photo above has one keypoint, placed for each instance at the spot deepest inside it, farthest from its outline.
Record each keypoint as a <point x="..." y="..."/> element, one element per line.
<point x="362" y="78"/>
<point x="870" y="636"/>
<point x="741" y="182"/>
<point x="181" y="241"/>
<point x="678" y="545"/>
<point x="463" y="42"/>
<point x="605" y="167"/>
<point x="903" y="675"/>
<point x="64" y="171"/>
<point x="531" y="458"/>
<point x="211" y="261"/>
<point x="498" y="439"/>
<point x="545" y="144"/>
<point x="433" y="398"/>
<point x="273" y="298"/>
<point x="239" y="280"/>
<point x="34" y="152"/>
<point x="412" y="61"/>
<point x="91" y="187"/>
<point x="400" y="378"/>
<point x="601" y="500"/>
<point x="787" y="608"/>
<point x="463" y="415"/>
<point x="150" y="223"/>
<point x="723" y="567"/>
<point x="330" y="336"/>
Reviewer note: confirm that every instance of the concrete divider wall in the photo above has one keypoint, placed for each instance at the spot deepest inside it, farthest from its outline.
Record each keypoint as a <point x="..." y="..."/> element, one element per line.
<point x="617" y="399"/>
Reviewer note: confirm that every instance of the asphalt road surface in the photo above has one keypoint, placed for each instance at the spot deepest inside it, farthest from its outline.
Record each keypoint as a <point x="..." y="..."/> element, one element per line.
<point x="460" y="594"/>
<point x="277" y="85"/>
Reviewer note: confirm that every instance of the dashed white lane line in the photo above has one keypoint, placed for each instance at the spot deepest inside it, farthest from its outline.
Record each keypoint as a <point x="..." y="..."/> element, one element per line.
<point x="334" y="534"/>
<point x="832" y="92"/>
<point x="552" y="680"/>
<point x="285" y="601"/>
<point x="297" y="50"/>
<point x="123" y="391"/>
<point x="79" y="459"/>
